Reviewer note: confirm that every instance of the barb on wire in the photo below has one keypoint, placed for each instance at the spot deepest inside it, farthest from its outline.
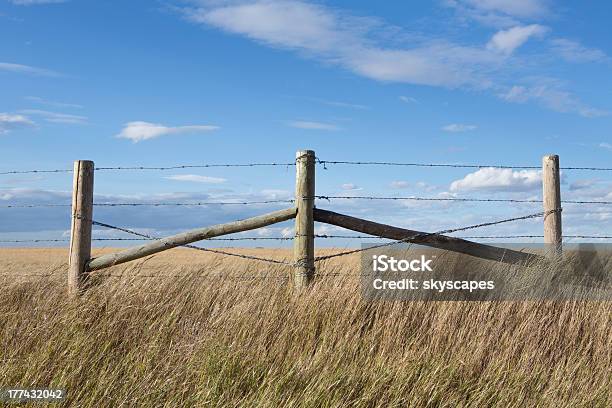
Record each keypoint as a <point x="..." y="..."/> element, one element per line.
<point x="219" y="276"/>
<point x="195" y="166"/>
<point x="35" y="171"/>
<point x="156" y="204"/>
<point x="443" y="232"/>
<point x="324" y="163"/>
<point x="17" y="241"/>
<point x="466" y="199"/>
<point x="33" y="205"/>
<point x="498" y="200"/>
<point x="451" y="165"/>
<point x="255" y="258"/>
<point x="201" y="203"/>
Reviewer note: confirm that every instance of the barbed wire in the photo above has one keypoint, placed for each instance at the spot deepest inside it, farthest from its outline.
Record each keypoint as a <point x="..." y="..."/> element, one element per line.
<point x="415" y="198"/>
<point x="196" y="166"/>
<point x="200" y="203"/>
<point x="323" y="163"/>
<point x="156" y="204"/>
<point x="319" y="197"/>
<point x="146" y="239"/>
<point x="466" y="199"/>
<point x="251" y="257"/>
<point x="4" y="173"/>
<point x="442" y="232"/>
<point x="321" y="236"/>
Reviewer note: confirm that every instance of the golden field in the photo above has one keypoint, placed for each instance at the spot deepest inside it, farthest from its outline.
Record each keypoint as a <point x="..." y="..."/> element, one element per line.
<point x="192" y="329"/>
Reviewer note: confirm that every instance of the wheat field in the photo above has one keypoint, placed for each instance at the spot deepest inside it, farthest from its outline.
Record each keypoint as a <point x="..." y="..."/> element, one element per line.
<point x="190" y="329"/>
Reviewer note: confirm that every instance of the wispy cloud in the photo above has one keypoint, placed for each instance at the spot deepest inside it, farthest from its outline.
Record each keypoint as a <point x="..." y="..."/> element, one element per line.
<point x="35" y="2"/>
<point x="9" y="122"/>
<point x="407" y="99"/>
<point x="27" y="69"/>
<point x="138" y="131"/>
<point x="552" y="96"/>
<point x="506" y="41"/>
<point x="494" y="179"/>
<point x="344" y="104"/>
<point x="500" y="13"/>
<point x="458" y="127"/>
<point x="605" y="145"/>
<point x="309" y="125"/>
<point x="348" y="41"/>
<point x="195" y="178"/>
<point x="55" y="117"/>
<point x="573" y="51"/>
<point x="54" y="104"/>
<point x="400" y="184"/>
<point x="358" y="43"/>
<point x="350" y="187"/>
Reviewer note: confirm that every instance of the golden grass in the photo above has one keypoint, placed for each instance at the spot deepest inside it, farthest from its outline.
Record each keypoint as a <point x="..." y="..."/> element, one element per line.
<point x="228" y="340"/>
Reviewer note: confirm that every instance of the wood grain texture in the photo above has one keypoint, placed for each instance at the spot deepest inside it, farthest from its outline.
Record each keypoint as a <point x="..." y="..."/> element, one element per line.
<point x="551" y="193"/>
<point x="303" y="244"/>
<point x="80" y="229"/>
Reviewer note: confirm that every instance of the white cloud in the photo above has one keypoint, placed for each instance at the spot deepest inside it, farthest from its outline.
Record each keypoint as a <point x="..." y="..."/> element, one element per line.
<point x="495" y="179"/>
<point x="605" y="145"/>
<point x="350" y="187"/>
<point x="35" y="2"/>
<point x="10" y="122"/>
<point x="499" y="13"/>
<point x="303" y="124"/>
<point x="337" y="38"/>
<point x="26" y="69"/>
<point x="573" y="51"/>
<point x="361" y="44"/>
<point x="552" y="97"/>
<point x="55" y="117"/>
<point x="344" y="105"/>
<point x="459" y="127"/>
<point x="138" y="131"/>
<point x="506" y="41"/>
<point x="516" y="8"/>
<point x="197" y="178"/>
<point x="407" y="99"/>
<point x="582" y="184"/>
<point x="400" y="184"/>
<point x="55" y="104"/>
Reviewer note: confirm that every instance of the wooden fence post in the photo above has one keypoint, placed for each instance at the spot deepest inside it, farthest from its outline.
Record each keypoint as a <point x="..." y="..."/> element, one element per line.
<point x="80" y="230"/>
<point x="551" y="194"/>
<point x="303" y="244"/>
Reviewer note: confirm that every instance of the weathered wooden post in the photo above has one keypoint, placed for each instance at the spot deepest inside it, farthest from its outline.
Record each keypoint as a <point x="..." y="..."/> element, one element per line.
<point x="80" y="229"/>
<point x="303" y="244"/>
<point x="551" y="194"/>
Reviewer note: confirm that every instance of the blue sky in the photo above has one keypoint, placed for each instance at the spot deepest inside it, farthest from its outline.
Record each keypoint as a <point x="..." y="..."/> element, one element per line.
<point x="188" y="82"/>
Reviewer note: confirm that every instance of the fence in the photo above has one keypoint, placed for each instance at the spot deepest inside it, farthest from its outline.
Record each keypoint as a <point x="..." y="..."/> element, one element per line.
<point x="305" y="214"/>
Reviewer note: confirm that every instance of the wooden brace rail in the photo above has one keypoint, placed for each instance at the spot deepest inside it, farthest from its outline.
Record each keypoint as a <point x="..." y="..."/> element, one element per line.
<point x="423" y="238"/>
<point x="188" y="237"/>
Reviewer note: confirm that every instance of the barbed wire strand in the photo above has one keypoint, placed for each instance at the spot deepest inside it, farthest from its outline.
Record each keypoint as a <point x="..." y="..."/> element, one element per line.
<point x="466" y="199"/>
<point x="251" y="257"/>
<point x="320" y="197"/>
<point x="323" y="163"/>
<point x="156" y="204"/>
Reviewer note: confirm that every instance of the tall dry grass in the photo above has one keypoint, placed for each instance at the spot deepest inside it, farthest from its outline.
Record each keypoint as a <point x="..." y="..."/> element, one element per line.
<point x="226" y="340"/>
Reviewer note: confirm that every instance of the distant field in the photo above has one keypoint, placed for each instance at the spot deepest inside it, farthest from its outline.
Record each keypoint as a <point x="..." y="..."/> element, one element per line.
<point x="222" y="331"/>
